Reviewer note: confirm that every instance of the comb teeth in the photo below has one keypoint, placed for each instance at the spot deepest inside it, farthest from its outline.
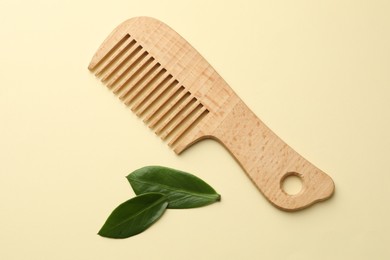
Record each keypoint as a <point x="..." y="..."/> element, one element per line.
<point x="144" y="85"/>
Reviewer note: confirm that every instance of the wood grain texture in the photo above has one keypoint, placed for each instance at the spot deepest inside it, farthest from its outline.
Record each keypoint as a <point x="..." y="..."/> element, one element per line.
<point x="168" y="83"/>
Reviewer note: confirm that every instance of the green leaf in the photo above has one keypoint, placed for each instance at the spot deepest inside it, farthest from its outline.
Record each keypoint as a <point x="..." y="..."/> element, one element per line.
<point x="182" y="189"/>
<point x="134" y="216"/>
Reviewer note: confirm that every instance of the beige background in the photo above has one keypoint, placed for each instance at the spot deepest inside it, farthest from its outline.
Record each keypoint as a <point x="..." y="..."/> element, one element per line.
<point x="316" y="72"/>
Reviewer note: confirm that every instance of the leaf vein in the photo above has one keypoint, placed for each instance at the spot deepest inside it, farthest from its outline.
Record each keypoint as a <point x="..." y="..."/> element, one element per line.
<point x="170" y="188"/>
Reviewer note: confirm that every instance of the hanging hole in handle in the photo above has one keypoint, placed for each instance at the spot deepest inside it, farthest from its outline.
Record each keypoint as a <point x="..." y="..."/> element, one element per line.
<point x="291" y="183"/>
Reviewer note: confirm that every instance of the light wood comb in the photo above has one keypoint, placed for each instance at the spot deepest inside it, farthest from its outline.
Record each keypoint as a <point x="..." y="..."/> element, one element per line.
<point x="175" y="90"/>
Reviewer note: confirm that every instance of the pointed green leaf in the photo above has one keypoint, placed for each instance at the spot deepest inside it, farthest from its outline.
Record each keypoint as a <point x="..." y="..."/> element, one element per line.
<point x="182" y="189"/>
<point x="134" y="216"/>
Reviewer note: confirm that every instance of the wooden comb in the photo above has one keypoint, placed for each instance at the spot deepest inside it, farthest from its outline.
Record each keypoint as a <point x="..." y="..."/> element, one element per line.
<point x="175" y="90"/>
